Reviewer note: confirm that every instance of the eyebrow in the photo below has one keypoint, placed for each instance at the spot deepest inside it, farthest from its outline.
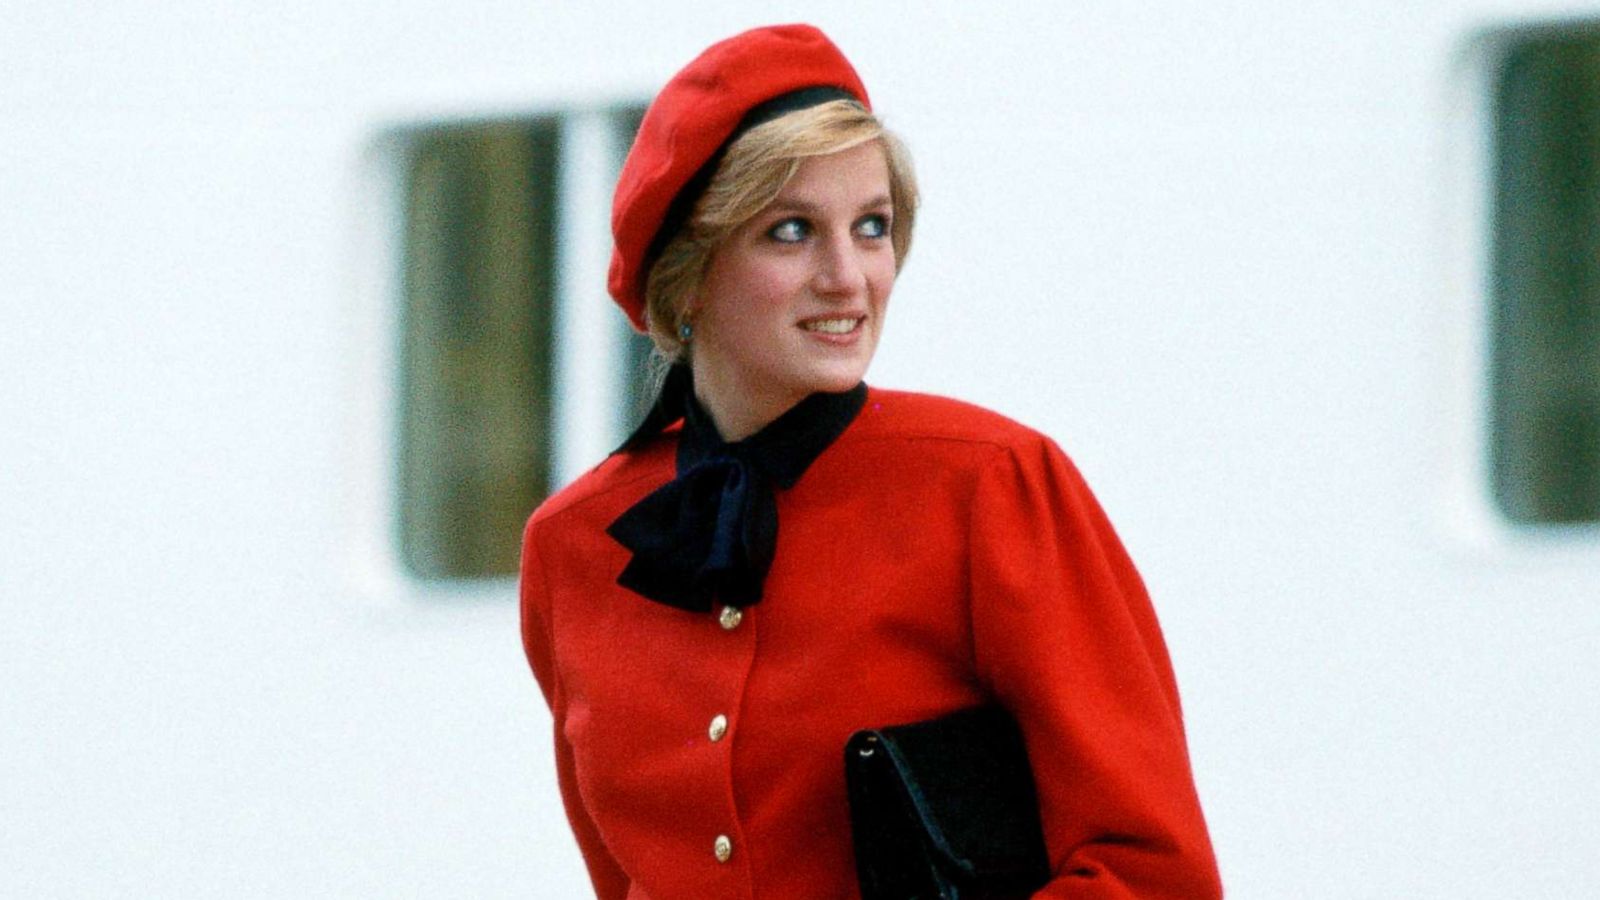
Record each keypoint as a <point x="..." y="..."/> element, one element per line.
<point x="801" y="206"/>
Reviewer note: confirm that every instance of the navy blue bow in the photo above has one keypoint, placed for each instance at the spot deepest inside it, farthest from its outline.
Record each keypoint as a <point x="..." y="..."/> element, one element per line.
<point x="708" y="536"/>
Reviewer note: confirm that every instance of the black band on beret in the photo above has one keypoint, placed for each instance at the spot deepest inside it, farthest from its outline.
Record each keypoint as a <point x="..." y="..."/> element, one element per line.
<point x="782" y="105"/>
<point x="683" y="203"/>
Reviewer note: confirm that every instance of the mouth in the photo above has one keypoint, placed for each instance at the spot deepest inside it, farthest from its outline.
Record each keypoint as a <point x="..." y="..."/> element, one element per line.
<point x="843" y="325"/>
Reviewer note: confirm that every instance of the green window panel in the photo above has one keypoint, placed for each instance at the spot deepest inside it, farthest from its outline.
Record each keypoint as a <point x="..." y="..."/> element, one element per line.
<point x="1545" y="281"/>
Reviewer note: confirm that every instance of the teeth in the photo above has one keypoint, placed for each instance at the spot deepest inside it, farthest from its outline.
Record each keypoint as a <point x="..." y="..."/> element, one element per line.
<point x="832" y="326"/>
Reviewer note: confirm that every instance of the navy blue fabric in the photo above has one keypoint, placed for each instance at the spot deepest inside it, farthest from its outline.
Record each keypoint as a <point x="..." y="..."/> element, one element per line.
<point x="708" y="535"/>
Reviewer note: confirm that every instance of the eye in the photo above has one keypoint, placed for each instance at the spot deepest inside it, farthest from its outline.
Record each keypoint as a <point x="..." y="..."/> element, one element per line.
<point x="789" y="231"/>
<point x="873" y="226"/>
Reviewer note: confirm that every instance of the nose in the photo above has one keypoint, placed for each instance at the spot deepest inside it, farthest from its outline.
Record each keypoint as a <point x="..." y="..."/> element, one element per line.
<point x="839" y="268"/>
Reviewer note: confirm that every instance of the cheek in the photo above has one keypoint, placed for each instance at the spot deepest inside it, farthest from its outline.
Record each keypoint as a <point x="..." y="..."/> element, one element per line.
<point x="881" y="277"/>
<point x="743" y="277"/>
<point x="768" y="297"/>
<point x="745" y="320"/>
<point x="731" y="288"/>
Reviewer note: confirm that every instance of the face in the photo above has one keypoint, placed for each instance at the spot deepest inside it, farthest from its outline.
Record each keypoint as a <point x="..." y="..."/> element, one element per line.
<point x="794" y="300"/>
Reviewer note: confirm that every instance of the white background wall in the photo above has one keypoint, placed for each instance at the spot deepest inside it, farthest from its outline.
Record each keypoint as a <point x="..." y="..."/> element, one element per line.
<point x="1224" y="252"/>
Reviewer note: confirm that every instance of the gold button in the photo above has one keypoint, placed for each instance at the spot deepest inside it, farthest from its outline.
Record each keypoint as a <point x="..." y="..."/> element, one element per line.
<point x="723" y="848"/>
<point x="730" y="618"/>
<point x="719" y="727"/>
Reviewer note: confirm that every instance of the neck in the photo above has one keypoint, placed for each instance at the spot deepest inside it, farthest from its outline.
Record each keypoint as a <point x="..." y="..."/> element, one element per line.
<point x="737" y="412"/>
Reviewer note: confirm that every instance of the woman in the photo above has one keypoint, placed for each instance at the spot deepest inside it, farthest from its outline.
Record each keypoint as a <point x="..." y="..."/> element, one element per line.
<point x="704" y="665"/>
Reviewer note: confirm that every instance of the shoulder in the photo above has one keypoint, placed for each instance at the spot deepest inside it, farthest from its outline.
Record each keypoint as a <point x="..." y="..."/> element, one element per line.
<point x="908" y="416"/>
<point x="925" y="433"/>
<point x="623" y="474"/>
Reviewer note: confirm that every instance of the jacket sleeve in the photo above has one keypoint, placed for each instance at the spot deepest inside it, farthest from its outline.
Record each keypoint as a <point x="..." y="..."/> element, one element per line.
<point x="610" y="882"/>
<point x="1065" y="636"/>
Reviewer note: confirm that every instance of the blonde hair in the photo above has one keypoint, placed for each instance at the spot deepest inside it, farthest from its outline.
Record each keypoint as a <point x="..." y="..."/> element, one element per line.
<point x="752" y="173"/>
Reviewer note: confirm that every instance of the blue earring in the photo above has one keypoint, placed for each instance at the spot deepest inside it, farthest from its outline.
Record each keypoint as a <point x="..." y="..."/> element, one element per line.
<point x="685" y="332"/>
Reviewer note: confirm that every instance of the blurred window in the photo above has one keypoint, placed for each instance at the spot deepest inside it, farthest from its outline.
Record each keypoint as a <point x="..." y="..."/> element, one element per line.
<point x="482" y="218"/>
<point x="1545" y="310"/>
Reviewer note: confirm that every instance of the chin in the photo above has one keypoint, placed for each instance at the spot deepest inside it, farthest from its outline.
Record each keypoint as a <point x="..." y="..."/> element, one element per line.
<point x="836" y="379"/>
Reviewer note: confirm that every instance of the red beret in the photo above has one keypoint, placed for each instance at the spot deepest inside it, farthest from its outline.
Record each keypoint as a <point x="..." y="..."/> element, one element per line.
<point x="693" y="117"/>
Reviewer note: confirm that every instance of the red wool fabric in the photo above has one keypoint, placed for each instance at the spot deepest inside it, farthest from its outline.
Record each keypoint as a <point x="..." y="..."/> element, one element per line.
<point x="691" y="118"/>
<point x="936" y="556"/>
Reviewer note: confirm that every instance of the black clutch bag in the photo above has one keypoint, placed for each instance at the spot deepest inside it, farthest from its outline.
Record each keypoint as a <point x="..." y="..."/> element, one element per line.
<point x="945" y="810"/>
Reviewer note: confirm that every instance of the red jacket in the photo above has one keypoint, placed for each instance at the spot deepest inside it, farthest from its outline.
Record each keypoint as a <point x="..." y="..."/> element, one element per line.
<point x="935" y="556"/>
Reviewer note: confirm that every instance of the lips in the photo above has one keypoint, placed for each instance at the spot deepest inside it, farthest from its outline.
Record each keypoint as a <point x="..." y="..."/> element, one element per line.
<point x="843" y="325"/>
